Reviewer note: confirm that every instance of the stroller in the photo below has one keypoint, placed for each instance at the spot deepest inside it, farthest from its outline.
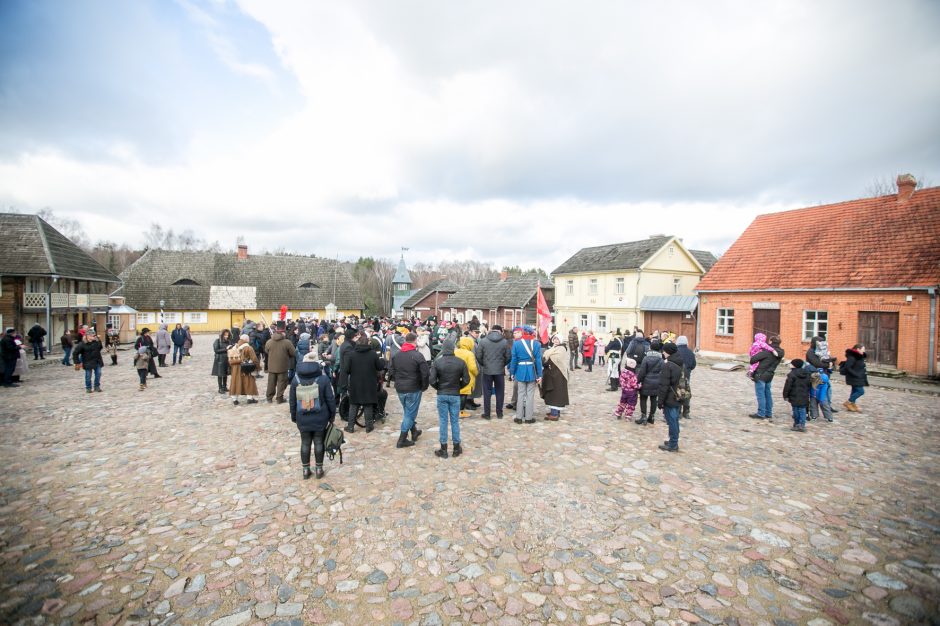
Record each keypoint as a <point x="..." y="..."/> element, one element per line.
<point x="378" y="416"/>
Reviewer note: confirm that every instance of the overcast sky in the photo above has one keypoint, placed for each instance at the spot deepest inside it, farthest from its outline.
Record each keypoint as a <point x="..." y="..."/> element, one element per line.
<point x="511" y="132"/>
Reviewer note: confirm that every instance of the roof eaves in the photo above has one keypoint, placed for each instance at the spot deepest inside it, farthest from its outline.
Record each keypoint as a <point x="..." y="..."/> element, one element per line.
<point x="45" y="243"/>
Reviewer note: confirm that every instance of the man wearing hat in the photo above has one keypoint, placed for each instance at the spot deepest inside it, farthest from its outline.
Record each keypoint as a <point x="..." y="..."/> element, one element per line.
<point x="525" y="366"/>
<point x="281" y="355"/>
<point x="10" y="353"/>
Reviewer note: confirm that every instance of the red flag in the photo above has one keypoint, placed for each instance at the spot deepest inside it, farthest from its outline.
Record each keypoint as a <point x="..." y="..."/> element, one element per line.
<point x="544" y="315"/>
<point x="283" y="312"/>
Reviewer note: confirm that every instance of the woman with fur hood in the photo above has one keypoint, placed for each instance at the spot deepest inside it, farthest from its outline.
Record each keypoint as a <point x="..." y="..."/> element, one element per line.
<point x="243" y="383"/>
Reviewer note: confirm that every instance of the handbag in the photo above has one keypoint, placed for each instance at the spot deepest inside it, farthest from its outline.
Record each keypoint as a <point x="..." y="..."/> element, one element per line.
<point x="248" y="366"/>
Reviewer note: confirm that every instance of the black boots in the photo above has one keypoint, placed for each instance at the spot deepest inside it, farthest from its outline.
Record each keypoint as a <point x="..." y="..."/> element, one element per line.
<point x="319" y="471"/>
<point x="415" y="433"/>
<point x="641" y="419"/>
<point x="221" y="385"/>
<point x="403" y="441"/>
<point x="457" y="450"/>
<point x="307" y="473"/>
<point x="442" y="453"/>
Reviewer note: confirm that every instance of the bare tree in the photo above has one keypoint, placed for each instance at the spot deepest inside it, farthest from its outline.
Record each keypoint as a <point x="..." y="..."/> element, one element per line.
<point x="886" y="186"/>
<point x="69" y="227"/>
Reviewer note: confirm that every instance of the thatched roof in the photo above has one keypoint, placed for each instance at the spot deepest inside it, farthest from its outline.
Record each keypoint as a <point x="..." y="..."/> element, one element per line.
<point x="514" y="292"/>
<point x="629" y="255"/>
<point x="441" y="285"/>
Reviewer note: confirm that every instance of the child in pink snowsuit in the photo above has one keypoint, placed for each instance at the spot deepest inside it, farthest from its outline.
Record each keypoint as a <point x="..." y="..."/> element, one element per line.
<point x="760" y="344"/>
<point x="629" y="390"/>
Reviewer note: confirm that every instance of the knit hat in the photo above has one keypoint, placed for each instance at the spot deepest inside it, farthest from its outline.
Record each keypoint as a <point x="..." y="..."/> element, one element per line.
<point x="631" y="363"/>
<point x="796" y="363"/>
<point x="243" y="337"/>
<point x="682" y="340"/>
<point x="670" y="348"/>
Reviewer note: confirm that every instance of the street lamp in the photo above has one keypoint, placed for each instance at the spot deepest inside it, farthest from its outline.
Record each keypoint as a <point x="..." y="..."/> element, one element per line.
<point x="162" y="302"/>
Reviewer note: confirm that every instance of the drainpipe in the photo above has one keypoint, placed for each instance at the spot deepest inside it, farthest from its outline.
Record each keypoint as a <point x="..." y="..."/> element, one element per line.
<point x="636" y="303"/>
<point x="931" y="364"/>
<point x="49" y="332"/>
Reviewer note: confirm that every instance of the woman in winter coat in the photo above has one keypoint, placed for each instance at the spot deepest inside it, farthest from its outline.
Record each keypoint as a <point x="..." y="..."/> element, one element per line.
<point x="311" y="419"/>
<point x="648" y="374"/>
<point x="588" y="350"/>
<point x="220" y="367"/>
<point x="554" y="388"/>
<point x="856" y="375"/>
<point x="164" y="344"/>
<point x="146" y="340"/>
<point x="188" y="343"/>
<point x="243" y="383"/>
<point x="464" y="352"/>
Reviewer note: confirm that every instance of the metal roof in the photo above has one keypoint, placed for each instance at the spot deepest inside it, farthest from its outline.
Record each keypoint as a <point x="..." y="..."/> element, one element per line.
<point x="401" y="274"/>
<point x="682" y="304"/>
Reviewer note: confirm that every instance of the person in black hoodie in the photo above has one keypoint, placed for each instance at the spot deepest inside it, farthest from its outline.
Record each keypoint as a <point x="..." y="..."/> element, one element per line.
<point x="311" y="417"/>
<point x="410" y="371"/>
<point x="648" y="374"/>
<point x="492" y="354"/>
<point x="359" y="373"/>
<point x="667" y="398"/>
<point x="638" y="347"/>
<point x="856" y="375"/>
<point x="796" y="392"/>
<point x="763" y="376"/>
<point x="449" y="374"/>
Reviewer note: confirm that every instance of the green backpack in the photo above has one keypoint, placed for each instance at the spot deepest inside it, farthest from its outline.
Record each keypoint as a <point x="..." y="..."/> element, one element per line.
<point x="333" y="441"/>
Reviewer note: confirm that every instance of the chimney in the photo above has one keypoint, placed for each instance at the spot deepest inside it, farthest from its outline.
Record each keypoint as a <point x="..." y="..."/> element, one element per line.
<point x="906" y="185"/>
<point x="242" y="251"/>
<point x="503" y="276"/>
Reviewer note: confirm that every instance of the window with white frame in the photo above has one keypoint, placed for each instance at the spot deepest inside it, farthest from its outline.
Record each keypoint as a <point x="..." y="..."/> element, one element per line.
<point x="172" y="318"/>
<point x="584" y="320"/>
<point x="725" y="324"/>
<point x="676" y="286"/>
<point x="815" y="324"/>
<point x="115" y="321"/>
<point x="195" y="317"/>
<point x="602" y="323"/>
<point x="146" y="318"/>
<point x="619" y="286"/>
<point x="460" y="318"/>
<point x="672" y="250"/>
<point x="569" y="287"/>
<point x="446" y="317"/>
<point x="592" y="287"/>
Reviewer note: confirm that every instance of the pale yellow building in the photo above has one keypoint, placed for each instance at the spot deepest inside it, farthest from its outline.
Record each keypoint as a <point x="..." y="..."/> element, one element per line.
<point x="602" y="288"/>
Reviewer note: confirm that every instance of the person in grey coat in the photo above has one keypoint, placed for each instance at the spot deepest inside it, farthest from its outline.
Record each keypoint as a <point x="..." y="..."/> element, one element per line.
<point x="164" y="343"/>
<point x="493" y="354"/>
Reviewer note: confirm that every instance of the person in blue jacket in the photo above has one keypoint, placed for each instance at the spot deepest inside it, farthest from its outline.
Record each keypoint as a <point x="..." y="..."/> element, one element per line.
<point x="525" y="366"/>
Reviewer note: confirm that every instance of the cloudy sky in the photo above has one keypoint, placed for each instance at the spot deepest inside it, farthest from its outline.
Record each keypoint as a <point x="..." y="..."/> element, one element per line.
<point x="510" y="132"/>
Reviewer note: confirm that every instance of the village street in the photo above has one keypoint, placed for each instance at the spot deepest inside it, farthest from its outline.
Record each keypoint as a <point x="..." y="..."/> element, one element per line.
<point x="172" y="506"/>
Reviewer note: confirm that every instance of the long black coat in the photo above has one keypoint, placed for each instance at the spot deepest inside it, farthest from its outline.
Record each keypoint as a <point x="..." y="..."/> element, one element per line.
<point x="220" y="363"/>
<point x="554" y="386"/>
<point x="648" y="373"/>
<point x="856" y="373"/>
<point x="359" y="374"/>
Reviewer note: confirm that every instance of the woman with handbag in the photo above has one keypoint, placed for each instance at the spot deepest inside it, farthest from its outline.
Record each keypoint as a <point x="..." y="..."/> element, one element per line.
<point x="554" y="387"/>
<point x="243" y="362"/>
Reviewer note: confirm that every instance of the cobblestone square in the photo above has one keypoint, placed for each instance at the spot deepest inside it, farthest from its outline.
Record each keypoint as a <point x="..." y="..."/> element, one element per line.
<point x="171" y="505"/>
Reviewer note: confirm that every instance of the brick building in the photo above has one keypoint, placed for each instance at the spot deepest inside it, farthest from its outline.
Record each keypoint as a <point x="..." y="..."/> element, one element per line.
<point x="429" y="300"/>
<point x="864" y="271"/>
<point x="507" y="301"/>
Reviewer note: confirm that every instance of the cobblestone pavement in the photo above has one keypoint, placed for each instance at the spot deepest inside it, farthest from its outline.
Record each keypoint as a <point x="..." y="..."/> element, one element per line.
<point x="171" y="505"/>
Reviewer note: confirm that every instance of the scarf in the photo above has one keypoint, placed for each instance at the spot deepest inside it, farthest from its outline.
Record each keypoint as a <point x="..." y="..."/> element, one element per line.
<point x="559" y="356"/>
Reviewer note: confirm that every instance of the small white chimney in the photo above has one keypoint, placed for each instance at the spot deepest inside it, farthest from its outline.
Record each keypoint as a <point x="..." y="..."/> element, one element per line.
<point x="906" y="186"/>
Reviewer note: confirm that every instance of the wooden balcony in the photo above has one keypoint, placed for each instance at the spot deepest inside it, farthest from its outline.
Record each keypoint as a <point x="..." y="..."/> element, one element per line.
<point x="65" y="300"/>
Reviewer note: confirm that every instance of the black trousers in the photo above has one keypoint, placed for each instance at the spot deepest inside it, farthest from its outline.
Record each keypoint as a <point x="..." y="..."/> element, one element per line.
<point x="308" y="437"/>
<point x="493" y="384"/>
<point x="652" y="401"/>
<point x="368" y="412"/>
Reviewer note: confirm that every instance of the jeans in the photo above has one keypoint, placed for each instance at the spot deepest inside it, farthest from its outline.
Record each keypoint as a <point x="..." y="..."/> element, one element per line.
<point x="67" y="356"/>
<point x="316" y="438"/>
<point x="38" y="350"/>
<point x="672" y="420"/>
<point x="494" y="384"/>
<point x="765" y="401"/>
<point x="799" y="416"/>
<point x="573" y="360"/>
<point x="97" y="371"/>
<point x="410" y="403"/>
<point x="142" y="375"/>
<point x="857" y="392"/>
<point x="448" y="410"/>
<point x="177" y="350"/>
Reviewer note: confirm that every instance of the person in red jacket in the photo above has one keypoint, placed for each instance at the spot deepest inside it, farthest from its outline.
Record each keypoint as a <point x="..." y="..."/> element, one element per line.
<point x="588" y="350"/>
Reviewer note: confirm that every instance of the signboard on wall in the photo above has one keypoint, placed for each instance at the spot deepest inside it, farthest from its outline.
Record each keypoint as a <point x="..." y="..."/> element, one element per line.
<point x="766" y="305"/>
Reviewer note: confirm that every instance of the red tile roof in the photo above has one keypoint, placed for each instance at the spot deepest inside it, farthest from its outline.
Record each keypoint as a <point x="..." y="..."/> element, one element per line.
<point x="874" y="243"/>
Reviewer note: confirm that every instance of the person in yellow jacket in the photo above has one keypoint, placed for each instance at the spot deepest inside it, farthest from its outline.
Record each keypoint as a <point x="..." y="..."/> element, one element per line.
<point x="464" y="352"/>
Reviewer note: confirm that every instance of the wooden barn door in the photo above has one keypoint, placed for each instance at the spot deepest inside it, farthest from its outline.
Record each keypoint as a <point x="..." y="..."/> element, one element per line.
<point x="767" y="321"/>
<point x="879" y="333"/>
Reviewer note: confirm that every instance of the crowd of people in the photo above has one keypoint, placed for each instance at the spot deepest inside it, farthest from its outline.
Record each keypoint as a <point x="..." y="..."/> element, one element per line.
<point x="345" y="367"/>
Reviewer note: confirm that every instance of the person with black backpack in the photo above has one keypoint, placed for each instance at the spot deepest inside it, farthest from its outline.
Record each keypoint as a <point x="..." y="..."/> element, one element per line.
<point x="638" y="347"/>
<point x="312" y="408"/>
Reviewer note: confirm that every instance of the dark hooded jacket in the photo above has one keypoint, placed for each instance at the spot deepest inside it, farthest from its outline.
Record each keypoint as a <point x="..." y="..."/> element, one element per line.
<point x="768" y="364"/>
<point x="672" y="371"/>
<point x="649" y="371"/>
<point x="409" y="369"/>
<point x="637" y="349"/>
<point x="854" y="369"/>
<point x="492" y="353"/>
<point x="310" y="373"/>
<point x="688" y="359"/>
<point x="90" y="354"/>
<point x="796" y="388"/>
<point x="449" y="373"/>
<point x="359" y="374"/>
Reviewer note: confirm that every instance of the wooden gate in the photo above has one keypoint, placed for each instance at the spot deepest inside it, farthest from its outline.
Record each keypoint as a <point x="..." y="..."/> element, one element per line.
<point x="878" y="332"/>
<point x="767" y="321"/>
